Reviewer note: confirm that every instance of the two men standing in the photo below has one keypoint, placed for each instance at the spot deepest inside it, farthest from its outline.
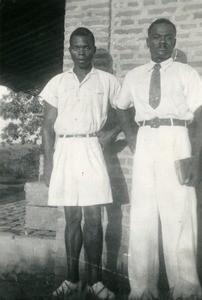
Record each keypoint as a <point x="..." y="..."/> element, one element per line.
<point x="166" y="96"/>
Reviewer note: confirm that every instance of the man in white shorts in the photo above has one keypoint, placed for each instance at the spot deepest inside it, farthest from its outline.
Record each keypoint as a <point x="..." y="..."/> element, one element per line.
<point x="76" y="106"/>
<point x="166" y="95"/>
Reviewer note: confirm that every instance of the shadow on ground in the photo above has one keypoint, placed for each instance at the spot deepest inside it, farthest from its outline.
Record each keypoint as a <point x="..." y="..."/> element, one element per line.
<point x="32" y="287"/>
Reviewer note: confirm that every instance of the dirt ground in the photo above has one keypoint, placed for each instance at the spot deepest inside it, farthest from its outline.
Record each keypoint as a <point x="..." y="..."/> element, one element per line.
<point x="25" y="287"/>
<point x="32" y="287"/>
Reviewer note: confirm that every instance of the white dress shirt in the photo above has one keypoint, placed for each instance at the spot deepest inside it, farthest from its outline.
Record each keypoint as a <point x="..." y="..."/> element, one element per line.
<point x="181" y="91"/>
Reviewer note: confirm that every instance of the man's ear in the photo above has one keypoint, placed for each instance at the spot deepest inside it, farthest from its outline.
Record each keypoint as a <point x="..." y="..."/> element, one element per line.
<point x="147" y="41"/>
<point x="95" y="49"/>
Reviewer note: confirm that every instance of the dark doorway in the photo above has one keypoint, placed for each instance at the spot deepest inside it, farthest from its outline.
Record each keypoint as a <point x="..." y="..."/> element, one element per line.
<point x="31" y="42"/>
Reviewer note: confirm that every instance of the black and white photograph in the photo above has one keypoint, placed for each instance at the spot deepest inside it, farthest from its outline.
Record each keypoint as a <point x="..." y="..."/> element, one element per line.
<point x="100" y="150"/>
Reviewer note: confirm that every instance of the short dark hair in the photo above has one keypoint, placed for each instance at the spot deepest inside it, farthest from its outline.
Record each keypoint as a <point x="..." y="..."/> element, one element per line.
<point x="160" y="21"/>
<point x="82" y="31"/>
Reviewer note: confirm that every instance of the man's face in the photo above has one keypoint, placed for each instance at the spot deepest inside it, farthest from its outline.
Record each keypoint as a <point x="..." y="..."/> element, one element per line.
<point x="82" y="51"/>
<point x="161" y="42"/>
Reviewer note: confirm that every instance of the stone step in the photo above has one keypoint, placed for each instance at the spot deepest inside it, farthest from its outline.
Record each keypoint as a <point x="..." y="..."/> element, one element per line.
<point x="41" y="217"/>
<point x="38" y="214"/>
<point x="36" y="193"/>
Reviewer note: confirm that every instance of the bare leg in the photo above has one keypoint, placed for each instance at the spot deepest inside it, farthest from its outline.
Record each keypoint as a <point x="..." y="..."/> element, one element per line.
<point x="93" y="238"/>
<point x="113" y="235"/>
<point x="73" y="241"/>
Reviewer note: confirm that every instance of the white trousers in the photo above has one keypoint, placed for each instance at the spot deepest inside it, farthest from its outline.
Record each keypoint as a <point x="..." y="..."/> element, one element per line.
<point x="156" y="193"/>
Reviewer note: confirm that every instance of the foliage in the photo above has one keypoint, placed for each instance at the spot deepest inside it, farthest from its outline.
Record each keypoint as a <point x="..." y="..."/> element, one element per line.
<point x="19" y="163"/>
<point x="23" y="112"/>
<point x="21" y="136"/>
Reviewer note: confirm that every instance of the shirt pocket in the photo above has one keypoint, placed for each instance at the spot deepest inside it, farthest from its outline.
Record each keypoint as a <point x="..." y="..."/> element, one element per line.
<point x="66" y="96"/>
<point x="95" y="95"/>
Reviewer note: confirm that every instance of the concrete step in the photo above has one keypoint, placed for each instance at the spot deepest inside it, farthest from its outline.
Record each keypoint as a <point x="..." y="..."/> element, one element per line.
<point x="26" y="254"/>
<point x="38" y="214"/>
<point x="36" y="193"/>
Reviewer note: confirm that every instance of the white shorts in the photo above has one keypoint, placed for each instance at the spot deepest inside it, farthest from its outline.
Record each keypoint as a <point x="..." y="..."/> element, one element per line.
<point x="79" y="176"/>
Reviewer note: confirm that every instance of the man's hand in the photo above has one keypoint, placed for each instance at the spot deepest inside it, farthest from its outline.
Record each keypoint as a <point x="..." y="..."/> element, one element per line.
<point x="48" y="167"/>
<point x="193" y="173"/>
<point x="106" y="138"/>
<point x="129" y="127"/>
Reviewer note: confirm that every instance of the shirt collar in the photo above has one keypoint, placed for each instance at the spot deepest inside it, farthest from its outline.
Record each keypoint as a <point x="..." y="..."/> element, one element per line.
<point x="92" y="71"/>
<point x="164" y="65"/>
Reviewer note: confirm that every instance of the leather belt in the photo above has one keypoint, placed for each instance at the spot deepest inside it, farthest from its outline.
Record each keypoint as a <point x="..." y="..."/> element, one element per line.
<point x="77" y="135"/>
<point x="157" y="122"/>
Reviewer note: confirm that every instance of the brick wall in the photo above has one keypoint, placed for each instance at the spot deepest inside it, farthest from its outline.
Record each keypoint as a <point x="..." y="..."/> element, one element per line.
<point x="91" y="14"/>
<point x="121" y="27"/>
<point x="129" y="23"/>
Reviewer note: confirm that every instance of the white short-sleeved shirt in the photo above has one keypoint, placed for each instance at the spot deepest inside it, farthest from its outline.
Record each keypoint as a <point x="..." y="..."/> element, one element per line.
<point x="79" y="176"/>
<point x="82" y="106"/>
<point x="181" y="91"/>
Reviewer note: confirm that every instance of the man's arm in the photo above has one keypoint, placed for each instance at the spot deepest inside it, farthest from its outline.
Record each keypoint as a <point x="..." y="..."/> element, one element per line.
<point x="48" y="140"/>
<point x="194" y="175"/>
<point x="129" y="127"/>
<point x="111" y="129"/>
<point x="108" y="137"/>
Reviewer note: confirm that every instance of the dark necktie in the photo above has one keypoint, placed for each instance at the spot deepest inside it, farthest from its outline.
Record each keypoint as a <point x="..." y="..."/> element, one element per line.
<point x="155" y="87"/>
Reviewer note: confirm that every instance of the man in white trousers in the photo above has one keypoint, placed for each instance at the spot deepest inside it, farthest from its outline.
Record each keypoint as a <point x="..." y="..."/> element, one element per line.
<point x="167" y="96"/>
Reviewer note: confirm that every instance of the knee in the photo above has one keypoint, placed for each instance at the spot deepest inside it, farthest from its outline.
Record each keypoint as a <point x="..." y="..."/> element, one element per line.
<point x="93" y="225"/>
<point x="73" y="217"/>
<point x="73" y="222"/>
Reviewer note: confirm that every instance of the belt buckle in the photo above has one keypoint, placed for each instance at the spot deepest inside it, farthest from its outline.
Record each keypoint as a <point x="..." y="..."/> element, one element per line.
<point x="155" y="122"/>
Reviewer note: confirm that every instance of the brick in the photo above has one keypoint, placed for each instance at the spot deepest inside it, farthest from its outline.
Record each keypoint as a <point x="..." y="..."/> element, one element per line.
<point x="149" y="2"/>
<point x="96" y="6"/>
<point x="183" y="35"/>
<point x="126" y="55"/>
<point x="188" y="26"/>
<point x="126" y="14"/>
<point x="197" y="15"/>
<point x="72" y="7"/>
<point x="129" y="66"/>
<point x="194" y="7"/>
<point x="128" y="31"/>
<point x="144" y="21"/>
<point x="167" y="2"/>
<point x="127" y="22"/>
<point x="194" y="44"/>
<point x="182" y="17"/>
<point x="133" y="4"/>
<point x="162" y="11"/>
